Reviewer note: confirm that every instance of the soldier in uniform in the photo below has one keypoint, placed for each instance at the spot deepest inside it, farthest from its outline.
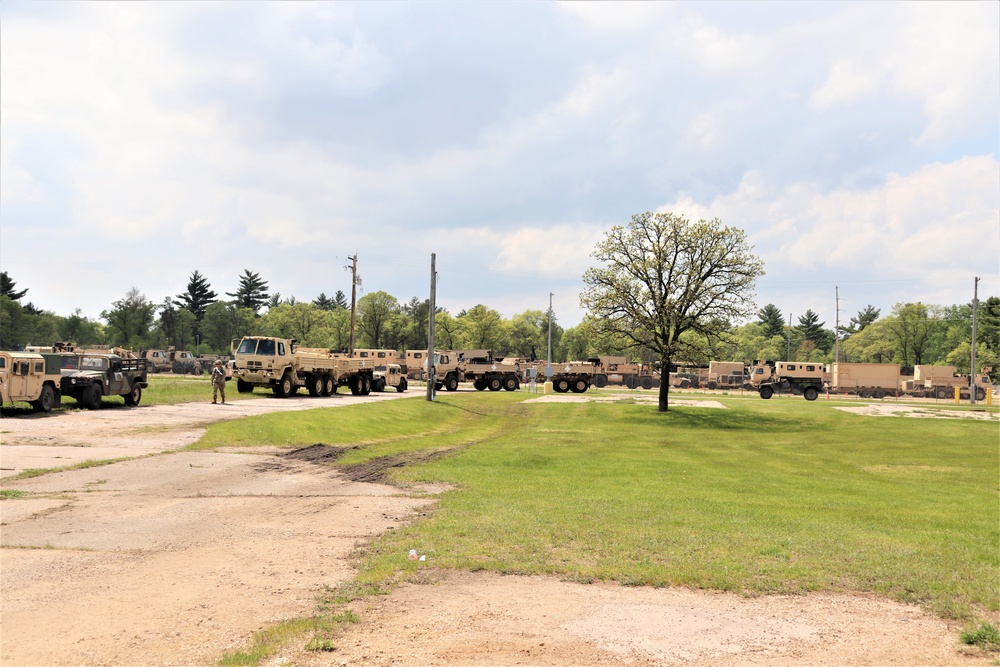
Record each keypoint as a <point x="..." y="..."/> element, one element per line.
<point x="218" y="381"/>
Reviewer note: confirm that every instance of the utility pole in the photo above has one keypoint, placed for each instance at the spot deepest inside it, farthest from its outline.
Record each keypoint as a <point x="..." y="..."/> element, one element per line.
<point x="836" y="330"/>
<point x="789" y="355"/>
<point x="548" y="359"/>
<point x="975" y="317"/>
<point x="431" y="375"/>
<point x="354" y="296"/>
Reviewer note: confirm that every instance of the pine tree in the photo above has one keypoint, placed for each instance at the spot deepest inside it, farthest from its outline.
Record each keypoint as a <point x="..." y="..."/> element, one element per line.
<point x="199" y="294"/>
<point x="340" y="299"/>
<point x="810" y="327"/>
<point x="7" y="288"/>
<point x="323" y="302"/>
<point x="252" y="292"/>
<point x="772" y="320"/>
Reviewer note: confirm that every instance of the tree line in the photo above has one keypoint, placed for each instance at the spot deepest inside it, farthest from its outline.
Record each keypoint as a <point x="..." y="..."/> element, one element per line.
<point x="196" y="319"/>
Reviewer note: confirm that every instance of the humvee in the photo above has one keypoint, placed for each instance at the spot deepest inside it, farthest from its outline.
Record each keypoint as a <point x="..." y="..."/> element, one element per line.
<point x="88" y="377"/>
<point x="24" y="377"/>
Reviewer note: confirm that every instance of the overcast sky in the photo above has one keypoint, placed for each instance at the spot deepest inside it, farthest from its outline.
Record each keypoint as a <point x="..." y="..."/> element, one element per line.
<point x="856" y="143"/>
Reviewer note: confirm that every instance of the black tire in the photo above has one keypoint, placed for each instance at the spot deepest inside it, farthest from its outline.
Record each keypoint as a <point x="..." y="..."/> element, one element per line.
<point x="687" y="383"/>
<point x="980" y="394"/>
<point x="631" y="382"/>
<point x="451" y="383"/>
<point x="646" y="382"/>
<point x="401" y="387"/>
<point x="316" y="385"/>
<point x="510" y="383"/>
<point x="578" y="386"/>
<point x="243" y="387"/>
<point x="480" y="385"/>
<point x="134" y="396"/>
<point x="712" y="385"/>
<point x="766" y="392"/>
<point x="284" y="387"/>
<point x="366" y="381"/>
<point x="329" y="388"/>
<point x="879" y="393"/>
<point x="92" y="397"/>
<point x="941" y="393"/>
<point x="600" y="381"/>
<point x="810" y="393"/>
<point x="561" y="385"/>
<point x="378" y="385"/>
<point x="46" y="400"/>
<point x="494" y="384"/>
<point x="656" y="383"/>
<point x="356" y="385"/>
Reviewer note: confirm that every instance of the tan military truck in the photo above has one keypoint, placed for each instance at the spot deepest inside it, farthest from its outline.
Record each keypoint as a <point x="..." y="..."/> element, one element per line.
<point x="476" y="366"/>
<point x="413" y="365"/>
<point x="807" y="379"/>
<point x="727" y="375"/>
<point x="617" y="370"/>
<point x="940" y="382"/>
<point x="864" y="380"/>
<point x="386" y="370"/>
<point x="24" y="377"/>
<point x="282" y="366"/>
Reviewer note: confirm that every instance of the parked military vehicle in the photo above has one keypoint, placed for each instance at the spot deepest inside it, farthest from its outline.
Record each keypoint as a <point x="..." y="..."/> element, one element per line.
<point x="278" y="364"/>
<point x="24" y="377"/>
<point x="452" y="367"/>
<point x="727" y="375"/>
<point x="806" y="379"/>
<point x="90" y="376"/>
<point x="940" y="382"/>
<point x="175" y="361"/>
<point x="864" y="380"/>
<point x="413" y="364"/>
<point x="616" y="370"/>
<point x="386" y="370"/>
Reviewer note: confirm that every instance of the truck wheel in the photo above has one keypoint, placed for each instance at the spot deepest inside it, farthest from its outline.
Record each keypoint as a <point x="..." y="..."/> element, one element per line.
<point x="879" y="393"/>
<point x="451" y="383"/>
<point x="316" y="385"/>
<point x="480" y="385"/>
<point x="600" y="381"/>
<point x="379" y="385"/>
<point x="686" y="383"/>
<point x="328" y="387"/>
<point x="561" y="385"/>
<point x="631" y="382"/>
<point x="92" y="397"/>
<point x="810" y="393"/>
<point x="646" y="382"/>
<point x="284" y="387"/>
<point x="46" y="400"/>
<point x="980" y="394"/>
<point x="712" y="385"/>
<point x="510" y="383"/>
<point x="941" y="393"/>
<point x="243" y="387"/>
<point x="401" y="387"/>
<point x="366" y="385"/>
<point x="134" y="396"/>
<point x="656" y="383"/>
<point x="494" y="384"/>
<point x="578" y="386"/>
<point x="766" y="393"/>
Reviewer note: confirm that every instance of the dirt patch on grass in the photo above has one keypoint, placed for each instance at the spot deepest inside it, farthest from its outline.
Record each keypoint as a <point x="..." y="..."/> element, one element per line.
<point x="919" y="411"/>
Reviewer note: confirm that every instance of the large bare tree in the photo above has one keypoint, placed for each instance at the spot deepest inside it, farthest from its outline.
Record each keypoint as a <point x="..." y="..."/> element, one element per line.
<point x="667" y="282"/>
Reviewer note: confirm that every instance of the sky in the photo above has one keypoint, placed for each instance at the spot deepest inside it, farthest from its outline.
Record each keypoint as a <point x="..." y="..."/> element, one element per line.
<point x="855" y="143"/>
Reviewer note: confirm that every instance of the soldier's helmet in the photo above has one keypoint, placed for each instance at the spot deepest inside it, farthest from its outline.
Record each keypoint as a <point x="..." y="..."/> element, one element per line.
<point x="217" y="362"/>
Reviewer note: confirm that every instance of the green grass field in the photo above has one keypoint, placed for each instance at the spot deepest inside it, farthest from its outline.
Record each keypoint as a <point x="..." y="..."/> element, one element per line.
<point x="763" y="497"/>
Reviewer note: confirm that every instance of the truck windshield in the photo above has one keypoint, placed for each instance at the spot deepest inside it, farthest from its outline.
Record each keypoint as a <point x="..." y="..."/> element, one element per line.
<point x="248" y="346"/>
<point x="265" y="348"/>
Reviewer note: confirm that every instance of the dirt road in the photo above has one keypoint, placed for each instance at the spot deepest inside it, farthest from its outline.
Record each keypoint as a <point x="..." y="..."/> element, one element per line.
<point x="176" y="558"/>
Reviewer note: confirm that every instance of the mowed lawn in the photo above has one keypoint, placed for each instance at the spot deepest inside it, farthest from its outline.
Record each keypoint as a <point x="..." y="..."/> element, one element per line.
<point x="761" y="497"/>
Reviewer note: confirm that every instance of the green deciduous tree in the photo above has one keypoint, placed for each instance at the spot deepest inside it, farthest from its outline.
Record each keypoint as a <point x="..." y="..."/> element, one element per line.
<point x="483" y="328"/>
<point x="913" y="328"/>
<point x="374" y="320"/>
<point x="225" y="321"/>
<point x="78" y="329"/>
<point x="664" y="277"/>
<point x="252" y="292"/>
<point x="130" y="320"/>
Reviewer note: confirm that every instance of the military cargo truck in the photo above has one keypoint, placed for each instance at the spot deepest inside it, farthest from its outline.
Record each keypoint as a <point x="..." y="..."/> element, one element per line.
<point x="386" y="369"/>
<point x="617" y="370"/>
<point x="90" y="376"/>
<point x="24" y="377"/>
<point x="807" y="379"/>
<point x="940" y="382"/>
<point x="727" y="375"/>
<point x="277" y="363"/>
<point x="864" y="380"/>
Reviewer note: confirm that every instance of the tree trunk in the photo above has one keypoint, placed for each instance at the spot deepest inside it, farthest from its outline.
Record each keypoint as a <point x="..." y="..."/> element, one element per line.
<point x="664" y="384"/>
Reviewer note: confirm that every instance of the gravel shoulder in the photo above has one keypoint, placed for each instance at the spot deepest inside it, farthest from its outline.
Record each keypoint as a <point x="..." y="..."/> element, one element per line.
<point x="176" y="558"/>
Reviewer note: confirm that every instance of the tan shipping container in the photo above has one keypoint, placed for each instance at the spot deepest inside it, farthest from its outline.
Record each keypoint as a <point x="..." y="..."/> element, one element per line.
<point x="846" y="377"/>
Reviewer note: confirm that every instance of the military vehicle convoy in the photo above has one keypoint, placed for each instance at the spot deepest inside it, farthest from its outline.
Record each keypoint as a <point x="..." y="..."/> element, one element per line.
<point x="616" y="370"/>
<point x="278" y="364"/>
<point x="24" y="377"/>
<point x="179" y="362"/>
<point x="862" y="380"/>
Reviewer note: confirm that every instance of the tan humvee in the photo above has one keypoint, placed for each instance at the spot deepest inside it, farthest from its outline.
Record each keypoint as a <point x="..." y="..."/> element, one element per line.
<point x="24" y="377"/>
